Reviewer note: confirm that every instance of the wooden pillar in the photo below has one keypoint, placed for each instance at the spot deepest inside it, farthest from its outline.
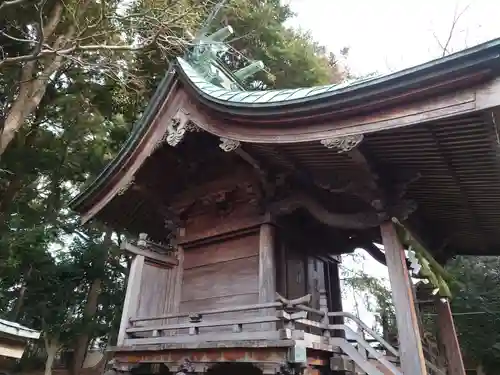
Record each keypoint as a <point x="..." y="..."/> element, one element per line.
<point x="267" y="264"/>
<point x="267" y="271"/>
<point x="448" y="338"/>
<point x="334" y="293"/>
<point x="410" y="343"/>
<point x="131" y="296"/>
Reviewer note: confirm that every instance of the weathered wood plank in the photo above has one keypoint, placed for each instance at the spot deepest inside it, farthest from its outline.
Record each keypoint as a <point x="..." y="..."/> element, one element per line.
<point x="213" y="337"/>
<point x="448" y="338"/>
<point x="234" y="302"/>
<point x="238" y="276"/>
<point x="201" y="345"/>
<point x="130" y="304"/>
<point x="238" y="308"/>
<point x="219" y="228"/>
<point x="231" y="249"/>
<point x="215" y="323"/>
<point x="412" y="355"/>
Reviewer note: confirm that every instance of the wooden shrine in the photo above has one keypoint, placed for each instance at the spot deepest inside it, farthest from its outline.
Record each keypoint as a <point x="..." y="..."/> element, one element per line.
<point x="242" y="201"/>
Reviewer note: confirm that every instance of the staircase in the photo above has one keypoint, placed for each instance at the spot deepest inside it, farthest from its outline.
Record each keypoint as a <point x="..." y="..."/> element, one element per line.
<point x="373" y="356"/>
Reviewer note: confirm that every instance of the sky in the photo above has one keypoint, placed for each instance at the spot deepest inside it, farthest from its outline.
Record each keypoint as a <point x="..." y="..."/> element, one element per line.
<point x="389" y="35"/>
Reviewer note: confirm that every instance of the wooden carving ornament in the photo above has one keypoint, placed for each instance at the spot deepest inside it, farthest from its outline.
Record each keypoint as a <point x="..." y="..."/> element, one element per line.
<point x="343" y="144"/>
<point x="229" y="145"/>
<point x="177" y="128"/>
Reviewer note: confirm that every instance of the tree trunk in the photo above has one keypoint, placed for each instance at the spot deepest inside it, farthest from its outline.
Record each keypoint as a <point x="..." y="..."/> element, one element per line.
<point x="83" y="340"/>
<point x="51" y="347"/>
<point x="20" y="298"/>
<point x="30" y="96"/>
<point x="33" y="86"/>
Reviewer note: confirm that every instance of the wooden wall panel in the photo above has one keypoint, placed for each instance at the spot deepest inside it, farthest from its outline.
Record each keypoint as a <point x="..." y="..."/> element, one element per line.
<point x="219" y="275"/>
<point x="237" y="276"/>
<point x="236" y="248"/>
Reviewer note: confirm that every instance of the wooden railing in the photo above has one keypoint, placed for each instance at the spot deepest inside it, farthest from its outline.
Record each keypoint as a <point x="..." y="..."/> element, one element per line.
<point x="277" y="321"/>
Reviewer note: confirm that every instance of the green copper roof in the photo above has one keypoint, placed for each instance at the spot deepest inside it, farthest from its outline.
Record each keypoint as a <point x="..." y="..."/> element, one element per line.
<point x="221" y="86"/>
<point x="264" y="96"/>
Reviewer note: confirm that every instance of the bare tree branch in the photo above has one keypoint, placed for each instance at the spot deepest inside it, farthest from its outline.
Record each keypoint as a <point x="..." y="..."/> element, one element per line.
<point x="456" y="17"/>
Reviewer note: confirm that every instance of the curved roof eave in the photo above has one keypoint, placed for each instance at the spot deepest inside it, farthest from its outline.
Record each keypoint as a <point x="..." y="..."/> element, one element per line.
<point x="253" y="105"/>
<point x="292" y="101"/>
<point x="139" y="129"/>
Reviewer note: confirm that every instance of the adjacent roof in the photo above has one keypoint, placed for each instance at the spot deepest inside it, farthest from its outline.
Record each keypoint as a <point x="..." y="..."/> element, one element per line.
<point x="17" y="330"/>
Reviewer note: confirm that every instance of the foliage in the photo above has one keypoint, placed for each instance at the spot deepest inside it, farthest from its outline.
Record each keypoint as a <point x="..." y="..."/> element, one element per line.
<point x="74" y="76"/>
<point x="291" y="57"/>
<point x="476" y="309"/>
<point x="373" y="293"/>
<point x="430" y="269"/>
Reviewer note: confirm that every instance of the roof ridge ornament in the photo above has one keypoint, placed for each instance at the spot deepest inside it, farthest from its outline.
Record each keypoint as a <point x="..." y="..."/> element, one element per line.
<point x="228" y="145"/>
<point x="343" y="143"/>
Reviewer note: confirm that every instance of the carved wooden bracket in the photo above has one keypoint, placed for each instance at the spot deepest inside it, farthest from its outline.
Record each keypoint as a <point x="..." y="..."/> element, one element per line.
<point x="343" y="144"/>
<point x="177" y="128"/>
<point x="228" y="145"/>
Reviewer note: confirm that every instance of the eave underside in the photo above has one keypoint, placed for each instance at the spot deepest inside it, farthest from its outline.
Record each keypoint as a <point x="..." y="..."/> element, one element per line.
<point x="458" y="188"/>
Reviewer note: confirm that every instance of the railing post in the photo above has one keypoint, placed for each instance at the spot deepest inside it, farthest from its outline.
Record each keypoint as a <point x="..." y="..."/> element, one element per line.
<point x="323" y="306"/>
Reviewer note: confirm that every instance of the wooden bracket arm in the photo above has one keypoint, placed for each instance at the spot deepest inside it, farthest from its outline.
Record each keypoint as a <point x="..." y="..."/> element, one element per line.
<point x="363" y="220"/>
<point x="162" y="259"/>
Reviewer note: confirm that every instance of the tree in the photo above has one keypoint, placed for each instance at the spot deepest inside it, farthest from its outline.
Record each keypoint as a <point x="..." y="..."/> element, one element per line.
<point x="97" y="35"/>
<point x="105" y="61"/>
<point x="476" y="309"/>
<point x="373" y="293"/>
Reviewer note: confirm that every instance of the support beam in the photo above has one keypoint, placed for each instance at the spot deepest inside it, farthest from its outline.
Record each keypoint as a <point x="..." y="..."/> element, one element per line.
<point x="412" y="355"/>
<point x="448" y="338"/>
<point x="131" y="296"/>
